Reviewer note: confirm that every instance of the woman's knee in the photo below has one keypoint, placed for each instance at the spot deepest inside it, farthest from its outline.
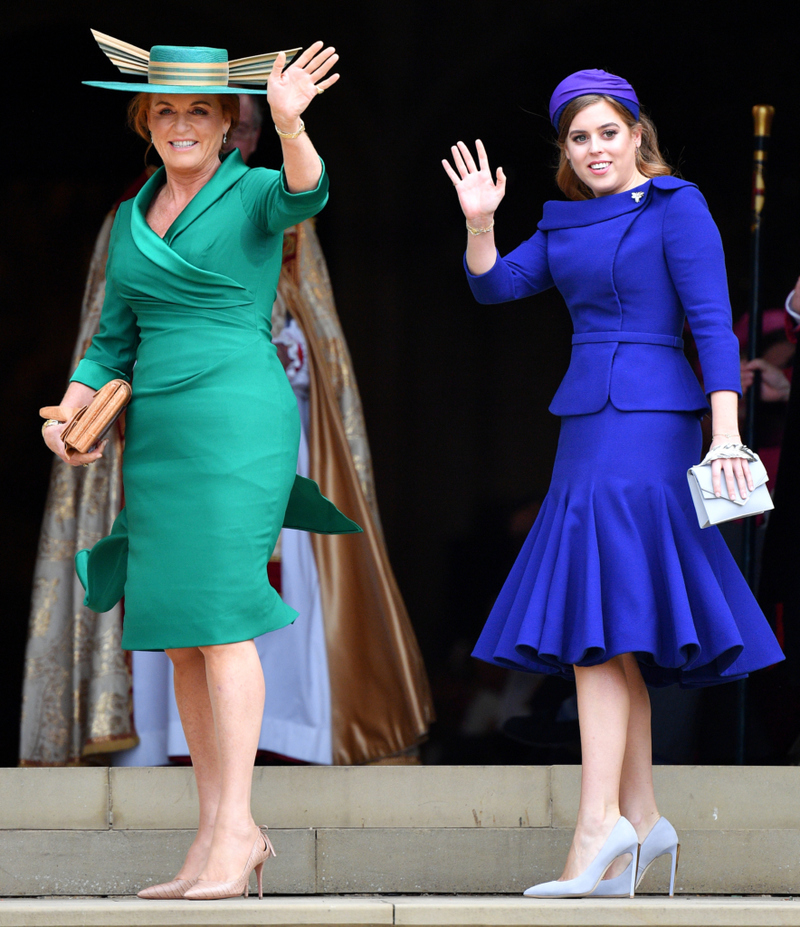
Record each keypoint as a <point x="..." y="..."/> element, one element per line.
<point x="239" y="650"/>
<point x="184" y="656"/>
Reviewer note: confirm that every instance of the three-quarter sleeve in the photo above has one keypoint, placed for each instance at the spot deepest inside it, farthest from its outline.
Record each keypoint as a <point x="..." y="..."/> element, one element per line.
<point x="272" y="207"/>
<point x="112" y="352"/>
<point x="696" y="264"/>
<point x="523" y="272"/>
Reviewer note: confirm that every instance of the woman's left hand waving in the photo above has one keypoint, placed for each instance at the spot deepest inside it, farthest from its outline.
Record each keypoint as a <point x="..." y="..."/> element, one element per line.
<point x="290" y="91"/>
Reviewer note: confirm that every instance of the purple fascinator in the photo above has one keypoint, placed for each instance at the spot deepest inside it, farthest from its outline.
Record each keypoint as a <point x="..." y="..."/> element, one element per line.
<point x="592" y="81"/>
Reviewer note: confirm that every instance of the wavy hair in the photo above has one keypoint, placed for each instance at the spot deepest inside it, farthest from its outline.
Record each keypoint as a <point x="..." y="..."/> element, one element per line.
<point x="649" y="160"/>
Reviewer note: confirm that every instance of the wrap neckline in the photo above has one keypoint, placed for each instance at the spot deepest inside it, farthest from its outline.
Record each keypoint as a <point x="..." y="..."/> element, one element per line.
<point x="217" y="289"/>
<point x="227" y="174"/>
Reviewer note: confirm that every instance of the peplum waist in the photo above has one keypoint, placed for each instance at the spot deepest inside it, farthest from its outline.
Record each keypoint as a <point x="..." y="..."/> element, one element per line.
<point x="636" y="371"/>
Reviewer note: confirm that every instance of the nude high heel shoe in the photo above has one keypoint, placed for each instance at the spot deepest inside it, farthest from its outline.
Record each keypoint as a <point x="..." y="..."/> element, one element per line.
<point x="620" y="841"/>
<point x="205" y="890"/>
<point x="661" y="840"/>
<point x="167" y="890"/>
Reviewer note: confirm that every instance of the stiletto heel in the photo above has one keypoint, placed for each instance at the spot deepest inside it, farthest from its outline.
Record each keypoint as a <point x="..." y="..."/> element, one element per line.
<point x="634" y="864"/>
<point x="675" y="853"/>
<point x="620" y="841"/>
<point x="661" y="840"/>
<point x="205" y="890"/>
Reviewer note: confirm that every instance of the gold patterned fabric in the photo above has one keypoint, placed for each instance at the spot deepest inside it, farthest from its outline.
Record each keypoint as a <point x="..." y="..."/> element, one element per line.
<point x="77" y="685"/>
<point x="77" y="689"/>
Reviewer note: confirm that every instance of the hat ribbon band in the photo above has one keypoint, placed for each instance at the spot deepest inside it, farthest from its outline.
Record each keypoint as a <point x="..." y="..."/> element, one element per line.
<point x="189" y="73"/>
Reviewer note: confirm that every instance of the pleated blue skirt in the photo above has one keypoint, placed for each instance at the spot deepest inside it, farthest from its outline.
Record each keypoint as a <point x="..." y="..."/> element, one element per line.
<point x="616" y="562"/>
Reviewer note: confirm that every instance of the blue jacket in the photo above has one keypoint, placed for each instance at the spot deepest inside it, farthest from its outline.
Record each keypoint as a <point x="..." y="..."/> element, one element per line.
<point x="630" y="273"/>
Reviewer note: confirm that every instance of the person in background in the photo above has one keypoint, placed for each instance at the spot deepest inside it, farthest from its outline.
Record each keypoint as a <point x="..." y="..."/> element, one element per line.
<point x="775" y="368"/>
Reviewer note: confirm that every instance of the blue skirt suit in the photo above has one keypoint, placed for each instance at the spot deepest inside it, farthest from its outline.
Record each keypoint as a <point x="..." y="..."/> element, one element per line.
<point x="616" y="561"/>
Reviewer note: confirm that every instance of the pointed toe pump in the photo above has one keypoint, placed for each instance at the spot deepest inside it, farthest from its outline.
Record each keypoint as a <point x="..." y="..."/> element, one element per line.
<point x="205" y="890"/>
<point x="620" y="841"/>
<point x="661" y="840"/>
<point x="167" y="891"/>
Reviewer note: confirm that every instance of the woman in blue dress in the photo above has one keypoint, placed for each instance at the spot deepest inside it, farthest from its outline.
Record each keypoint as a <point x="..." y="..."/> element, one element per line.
<point x="617" y="585"/>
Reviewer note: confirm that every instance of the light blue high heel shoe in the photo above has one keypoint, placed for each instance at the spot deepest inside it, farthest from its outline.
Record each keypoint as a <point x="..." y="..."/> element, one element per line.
<point x="661" y="840"/>
<point x="620" y="841"/>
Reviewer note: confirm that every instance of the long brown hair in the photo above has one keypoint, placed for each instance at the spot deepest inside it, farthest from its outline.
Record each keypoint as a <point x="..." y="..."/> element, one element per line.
<point x="649" y="160"/>
<point x="139" y="105"/>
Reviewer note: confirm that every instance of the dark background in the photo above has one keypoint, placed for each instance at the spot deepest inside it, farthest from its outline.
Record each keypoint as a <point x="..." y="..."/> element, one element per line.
<point x="455" y="395"/>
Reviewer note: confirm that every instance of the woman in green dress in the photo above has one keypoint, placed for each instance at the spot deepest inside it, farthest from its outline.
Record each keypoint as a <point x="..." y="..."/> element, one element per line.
<point x="212" y="431"/>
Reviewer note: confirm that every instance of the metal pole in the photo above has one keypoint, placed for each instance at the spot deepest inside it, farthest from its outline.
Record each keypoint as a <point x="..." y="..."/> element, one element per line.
<point x="762" y="124"/>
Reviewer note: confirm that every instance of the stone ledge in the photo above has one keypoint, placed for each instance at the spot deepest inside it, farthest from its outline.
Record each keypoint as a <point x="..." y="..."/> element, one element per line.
<point x="404" y="860"/>
<point x="232" y="912"/>
<point x="348" y="796"/>
<point x="440" y="860"/>
<point x="713" y="798"/>
<point x="460" y="911"/>
<point x="594" y="912"/>
<point x="54" y="799"/>
<point x="121" y="862"/>
<point x="692" y="797"/>
<point x="506" y="860"/>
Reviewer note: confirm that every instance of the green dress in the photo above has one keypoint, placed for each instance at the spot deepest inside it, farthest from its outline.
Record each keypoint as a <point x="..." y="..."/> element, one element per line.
<point x="212" y="430"/>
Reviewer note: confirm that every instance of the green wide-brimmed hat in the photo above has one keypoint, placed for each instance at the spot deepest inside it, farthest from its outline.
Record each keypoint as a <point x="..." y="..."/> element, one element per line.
<point x="184" y="68"/>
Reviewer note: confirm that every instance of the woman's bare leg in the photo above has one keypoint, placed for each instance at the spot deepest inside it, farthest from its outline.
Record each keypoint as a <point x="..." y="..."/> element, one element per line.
<point x="236" y="694"/>
<point x="637" y="798"/>
<point x="603" y="713"/>
<point x="194" y="707"/>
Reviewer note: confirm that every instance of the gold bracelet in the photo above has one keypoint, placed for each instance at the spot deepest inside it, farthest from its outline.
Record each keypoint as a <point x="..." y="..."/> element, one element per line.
<point x="292" y="134"/>
<point x="722" y="434"/>
<point x="473" y="231"/>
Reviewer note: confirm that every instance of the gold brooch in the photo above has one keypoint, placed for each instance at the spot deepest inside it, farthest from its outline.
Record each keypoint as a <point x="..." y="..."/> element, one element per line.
<point x="638" y="195"/>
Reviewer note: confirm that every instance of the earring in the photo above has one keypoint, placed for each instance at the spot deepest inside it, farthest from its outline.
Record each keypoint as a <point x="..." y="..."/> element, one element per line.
<point x="151" y="138"/>
<point x="225" y="139"/>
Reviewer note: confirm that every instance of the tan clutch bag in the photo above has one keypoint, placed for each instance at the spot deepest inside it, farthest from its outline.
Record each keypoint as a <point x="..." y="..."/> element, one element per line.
<point x="88" y="425"/>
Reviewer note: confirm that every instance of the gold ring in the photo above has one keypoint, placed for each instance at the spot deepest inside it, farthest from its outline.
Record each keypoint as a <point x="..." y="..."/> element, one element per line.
<point x="320" y="89"/>
<point x="85" y="465"/>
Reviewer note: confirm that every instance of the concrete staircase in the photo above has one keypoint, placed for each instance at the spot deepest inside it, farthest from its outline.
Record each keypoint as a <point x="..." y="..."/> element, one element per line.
<point x="484" y="832"/>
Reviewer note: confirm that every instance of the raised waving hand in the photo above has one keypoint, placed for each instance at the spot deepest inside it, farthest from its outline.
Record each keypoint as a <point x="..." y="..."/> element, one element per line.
<point x="290" y="90"/>
<point x="478" y="193"/>
<point x="479" y="196"/>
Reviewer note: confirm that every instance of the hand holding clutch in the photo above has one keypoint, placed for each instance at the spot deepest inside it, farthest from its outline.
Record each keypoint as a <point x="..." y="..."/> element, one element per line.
<point x="87" y="425"/>
<point x="712" y="509"/>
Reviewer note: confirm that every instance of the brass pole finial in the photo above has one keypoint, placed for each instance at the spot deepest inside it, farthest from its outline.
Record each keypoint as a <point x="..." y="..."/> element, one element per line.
<point x="762" y="120"/>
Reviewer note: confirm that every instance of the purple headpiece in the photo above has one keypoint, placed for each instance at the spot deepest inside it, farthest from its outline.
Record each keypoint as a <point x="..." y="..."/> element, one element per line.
<point x="592" y="81"/>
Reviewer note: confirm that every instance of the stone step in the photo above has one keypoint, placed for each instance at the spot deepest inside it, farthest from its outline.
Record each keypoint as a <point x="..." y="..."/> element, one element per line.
<point x="461" y="911"/>
<point x="354" y="830"/>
